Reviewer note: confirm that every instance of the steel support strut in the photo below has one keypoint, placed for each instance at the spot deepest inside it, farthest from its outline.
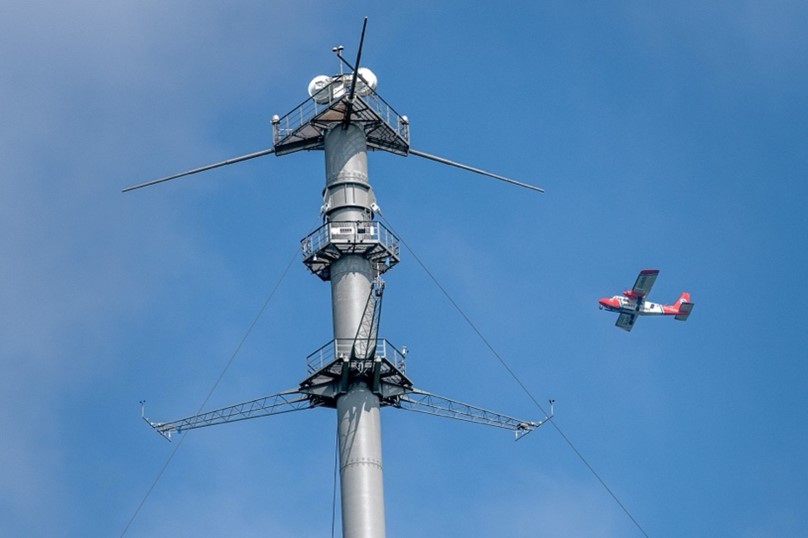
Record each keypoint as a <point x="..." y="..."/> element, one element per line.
<point x="275" y="404"/>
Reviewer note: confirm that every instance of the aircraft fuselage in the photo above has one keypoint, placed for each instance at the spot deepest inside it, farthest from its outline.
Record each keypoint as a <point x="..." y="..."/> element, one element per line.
<point x="628" y="305"/>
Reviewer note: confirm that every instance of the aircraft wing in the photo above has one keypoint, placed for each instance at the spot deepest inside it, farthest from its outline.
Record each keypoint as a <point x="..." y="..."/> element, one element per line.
<point x="626" y="321"/>
<point x="645" y="280"/>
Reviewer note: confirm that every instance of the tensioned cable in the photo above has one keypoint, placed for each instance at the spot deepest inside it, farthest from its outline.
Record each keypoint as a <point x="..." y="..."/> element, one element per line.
<point x="334" y="490"/>
<point x="210" y="393"/>
<point x="512" y="373"/>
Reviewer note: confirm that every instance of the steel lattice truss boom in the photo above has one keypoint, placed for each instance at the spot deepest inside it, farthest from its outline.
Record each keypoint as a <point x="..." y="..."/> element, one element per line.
<point x="432" y="404"/>
<point x="293" y="400"/>
<point x="275" y="404"/>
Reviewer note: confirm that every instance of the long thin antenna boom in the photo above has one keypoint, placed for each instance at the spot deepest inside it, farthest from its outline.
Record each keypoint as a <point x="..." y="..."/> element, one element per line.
<point x="473" y="169"/>
<point x="347" y="120"/>
<point x="234" y="160"/>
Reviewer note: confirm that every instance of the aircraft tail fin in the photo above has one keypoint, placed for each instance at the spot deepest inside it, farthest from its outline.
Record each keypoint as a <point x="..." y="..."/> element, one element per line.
<point x="683" y="306"/>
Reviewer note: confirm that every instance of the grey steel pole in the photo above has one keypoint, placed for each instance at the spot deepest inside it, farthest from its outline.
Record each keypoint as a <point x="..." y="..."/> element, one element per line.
<point x="360" y="451"/>
<point x="348" y="197"/>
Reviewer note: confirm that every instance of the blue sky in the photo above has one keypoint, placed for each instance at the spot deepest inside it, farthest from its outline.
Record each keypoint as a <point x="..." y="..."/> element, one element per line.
<point x="666" y="136"/>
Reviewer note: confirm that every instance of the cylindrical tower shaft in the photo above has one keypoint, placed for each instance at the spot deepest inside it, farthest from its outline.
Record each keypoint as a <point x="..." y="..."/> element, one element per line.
<point x="360" y="455"/>
<point x="348" y="197"/>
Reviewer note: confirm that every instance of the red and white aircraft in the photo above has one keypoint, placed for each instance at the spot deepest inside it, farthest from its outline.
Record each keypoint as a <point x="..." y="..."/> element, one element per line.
<point x="632" y="303"/>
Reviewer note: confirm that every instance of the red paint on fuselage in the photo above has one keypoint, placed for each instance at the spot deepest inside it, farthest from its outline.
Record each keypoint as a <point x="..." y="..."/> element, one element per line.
<point x="628" y="304"/>
<point x="610" y="303"/>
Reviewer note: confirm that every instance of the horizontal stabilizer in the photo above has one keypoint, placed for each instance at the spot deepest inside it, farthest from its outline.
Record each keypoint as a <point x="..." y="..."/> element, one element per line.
<point x="684" y="311"/>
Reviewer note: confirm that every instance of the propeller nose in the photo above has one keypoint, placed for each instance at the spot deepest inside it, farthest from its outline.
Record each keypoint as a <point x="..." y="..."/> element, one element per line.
<point x="606" y="302"/>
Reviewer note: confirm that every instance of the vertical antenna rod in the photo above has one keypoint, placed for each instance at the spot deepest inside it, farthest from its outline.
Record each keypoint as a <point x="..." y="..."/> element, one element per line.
<point x="349" y="108"/>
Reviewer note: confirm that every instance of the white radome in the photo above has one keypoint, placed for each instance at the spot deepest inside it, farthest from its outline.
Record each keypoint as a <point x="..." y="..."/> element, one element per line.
<point x="367" y="81"/>
<point x="316" y="87"/>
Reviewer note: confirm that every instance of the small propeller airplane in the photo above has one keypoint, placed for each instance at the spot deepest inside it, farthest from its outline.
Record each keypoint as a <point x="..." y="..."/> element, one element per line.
<point x="632" y="303"/>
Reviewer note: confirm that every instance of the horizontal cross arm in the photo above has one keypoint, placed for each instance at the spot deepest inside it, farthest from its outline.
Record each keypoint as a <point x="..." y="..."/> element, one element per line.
<point x="432" y="404"/>
<point x="275" y="404"/>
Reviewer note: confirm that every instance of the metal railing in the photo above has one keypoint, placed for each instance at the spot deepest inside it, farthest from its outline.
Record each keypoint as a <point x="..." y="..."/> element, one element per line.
<point x="341" y="348"/>
<point x="324" y="99"/>
<point x="349" y="232"/>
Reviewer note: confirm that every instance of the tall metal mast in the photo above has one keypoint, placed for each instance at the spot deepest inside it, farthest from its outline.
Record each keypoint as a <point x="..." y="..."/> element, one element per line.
<point x="348" y="199"/>
<point x="357" y="372"/>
